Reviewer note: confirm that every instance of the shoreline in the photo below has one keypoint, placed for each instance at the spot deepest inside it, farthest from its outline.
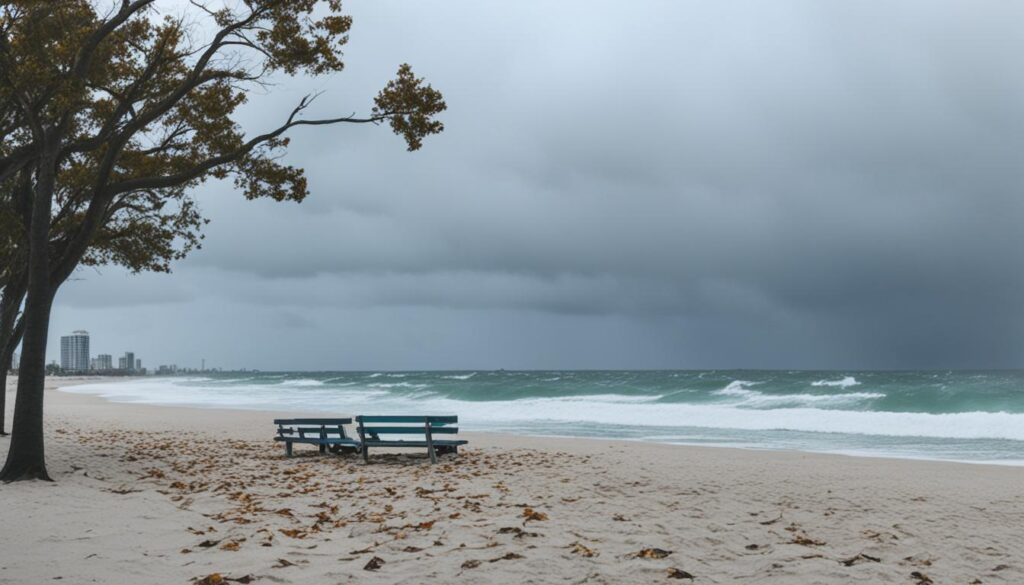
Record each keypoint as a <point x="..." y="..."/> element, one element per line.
<point x="75" y="381"/>
<point x="155" y="494"/>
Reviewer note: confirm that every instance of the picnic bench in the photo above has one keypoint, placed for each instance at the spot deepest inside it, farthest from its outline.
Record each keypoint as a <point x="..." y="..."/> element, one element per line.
<point x="370" y="429"/>
<point x="325" y="433"/>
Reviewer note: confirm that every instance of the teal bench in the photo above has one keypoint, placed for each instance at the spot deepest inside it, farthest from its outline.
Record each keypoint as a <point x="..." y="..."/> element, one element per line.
<point x="370" y="429"/>
<point x="325" y="433"/>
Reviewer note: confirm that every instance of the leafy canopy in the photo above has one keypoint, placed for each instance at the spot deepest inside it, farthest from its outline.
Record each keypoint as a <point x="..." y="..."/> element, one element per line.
<point x="139" y="103"/>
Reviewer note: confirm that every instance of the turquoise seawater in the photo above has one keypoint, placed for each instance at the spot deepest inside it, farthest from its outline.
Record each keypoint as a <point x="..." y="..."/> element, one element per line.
<point x="956" y="415"/>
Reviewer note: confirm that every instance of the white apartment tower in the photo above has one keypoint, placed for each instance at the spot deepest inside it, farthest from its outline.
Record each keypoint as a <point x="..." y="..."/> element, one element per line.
<point x="104" y="361"/>
<point x="74" y="351"/>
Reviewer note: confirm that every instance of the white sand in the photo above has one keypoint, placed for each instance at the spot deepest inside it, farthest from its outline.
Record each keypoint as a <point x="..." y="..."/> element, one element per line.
<point x="140" y="489"/>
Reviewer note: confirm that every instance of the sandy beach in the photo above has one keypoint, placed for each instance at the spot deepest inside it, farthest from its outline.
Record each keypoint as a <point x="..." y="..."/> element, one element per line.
<point x="149" y="494"/>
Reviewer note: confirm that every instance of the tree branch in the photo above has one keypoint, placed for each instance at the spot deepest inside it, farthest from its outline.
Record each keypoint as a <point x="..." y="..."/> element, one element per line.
<point x="165" y="181"/>
<point x="92" y="42"/>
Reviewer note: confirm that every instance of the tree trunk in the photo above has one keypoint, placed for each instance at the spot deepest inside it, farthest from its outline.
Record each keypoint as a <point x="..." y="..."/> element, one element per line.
<point x="3" y="400"/>
<point x="26" y="457"/>
<point x="10" y="336"/>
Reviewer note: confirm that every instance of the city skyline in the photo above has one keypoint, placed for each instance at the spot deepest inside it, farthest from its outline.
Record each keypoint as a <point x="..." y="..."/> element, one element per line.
<point x="75" y="356"/>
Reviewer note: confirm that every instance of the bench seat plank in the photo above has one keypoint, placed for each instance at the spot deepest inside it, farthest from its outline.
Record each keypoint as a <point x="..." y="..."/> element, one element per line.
<point x="410" y="430"/>
<point x="313" y="421"/>
<point x="434" y="420"/>
<point x="385" y="443"/>
<point x="315" y="440"/>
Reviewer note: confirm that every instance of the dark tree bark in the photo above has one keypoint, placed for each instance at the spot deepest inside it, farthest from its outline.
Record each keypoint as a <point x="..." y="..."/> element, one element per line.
<point x="10" y="336"/>
<point x="5" y="358"/>
<point x="26" y="457"/>
<point x="3" y="400"/>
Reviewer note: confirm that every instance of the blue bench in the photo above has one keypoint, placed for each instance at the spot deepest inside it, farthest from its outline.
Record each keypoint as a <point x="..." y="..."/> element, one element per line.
<point x="370" y="429"/>
<point x="326" y="433"/>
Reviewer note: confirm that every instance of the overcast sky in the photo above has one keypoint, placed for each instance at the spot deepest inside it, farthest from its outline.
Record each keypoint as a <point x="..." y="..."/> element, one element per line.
<point x="644" y="184"/>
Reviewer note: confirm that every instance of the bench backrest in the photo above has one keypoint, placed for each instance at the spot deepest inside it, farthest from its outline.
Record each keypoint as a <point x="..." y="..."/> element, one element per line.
<point x="370" y="426"/>
<point x="312" y="427"/>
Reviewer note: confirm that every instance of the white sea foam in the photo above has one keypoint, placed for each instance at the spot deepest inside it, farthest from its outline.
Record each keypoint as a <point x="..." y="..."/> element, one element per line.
<point x="301" y="382"/>
<point x="966" y="425"/>
<point x="338" y="382"/>
<point x="597" y="398"/>
<point x="745" y="397"/>
<point x="185" y="392"/>
<point x="459" y="376"/>
<point x="844" y="383"/>
<point x="804" y="412"/>
<point x="398" y="385"/>
<point x="758" y="400"/>
<point x="737" y="388"/>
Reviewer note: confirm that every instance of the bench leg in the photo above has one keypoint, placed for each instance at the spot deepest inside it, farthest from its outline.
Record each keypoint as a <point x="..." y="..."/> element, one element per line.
<point x="288" y="448"/>
<point x="323" y="448"/>
<point x="366" y="454"/>
<point x="433" y="453"/>
<point x="430" y="445"/>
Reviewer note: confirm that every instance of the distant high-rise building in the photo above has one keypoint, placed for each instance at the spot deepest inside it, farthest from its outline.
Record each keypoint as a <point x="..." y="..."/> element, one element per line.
<point x="104" y="361"/>
<point x="127" y="362"/>
<point x="138" y="365"/>
<point x="121" y="363"/>
<point x="74" y="351"/>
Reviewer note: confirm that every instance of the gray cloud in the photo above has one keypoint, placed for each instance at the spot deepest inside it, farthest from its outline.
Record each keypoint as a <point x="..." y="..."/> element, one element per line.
<point x="645" y="184"/>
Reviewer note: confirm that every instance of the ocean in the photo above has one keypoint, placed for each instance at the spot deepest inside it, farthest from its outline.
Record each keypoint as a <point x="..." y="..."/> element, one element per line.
<point x="974" y="416"/>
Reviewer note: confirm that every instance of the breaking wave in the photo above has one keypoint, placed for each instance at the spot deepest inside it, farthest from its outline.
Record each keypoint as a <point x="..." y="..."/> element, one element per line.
<point x="844" y="383"/>
<point x="910" y="414"/>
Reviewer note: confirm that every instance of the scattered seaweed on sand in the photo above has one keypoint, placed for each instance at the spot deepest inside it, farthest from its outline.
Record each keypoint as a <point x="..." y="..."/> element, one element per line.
<point x="507" y="557"/>
<point x="650" y="553"/>
<point x="218" y="579"/>
<point x="582" y="550"/>
<point x="532" y="515"/>
<point x="859" y="559"/>
<point x="674" y="573"/>
<point x="282" y="563"/>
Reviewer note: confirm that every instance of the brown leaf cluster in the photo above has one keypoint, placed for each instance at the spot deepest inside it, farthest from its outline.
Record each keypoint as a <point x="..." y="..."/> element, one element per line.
<point x="651" y="553"/>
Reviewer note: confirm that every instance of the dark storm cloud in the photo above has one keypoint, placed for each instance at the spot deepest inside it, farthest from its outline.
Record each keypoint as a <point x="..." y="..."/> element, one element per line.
<point x="785" y="184"/>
